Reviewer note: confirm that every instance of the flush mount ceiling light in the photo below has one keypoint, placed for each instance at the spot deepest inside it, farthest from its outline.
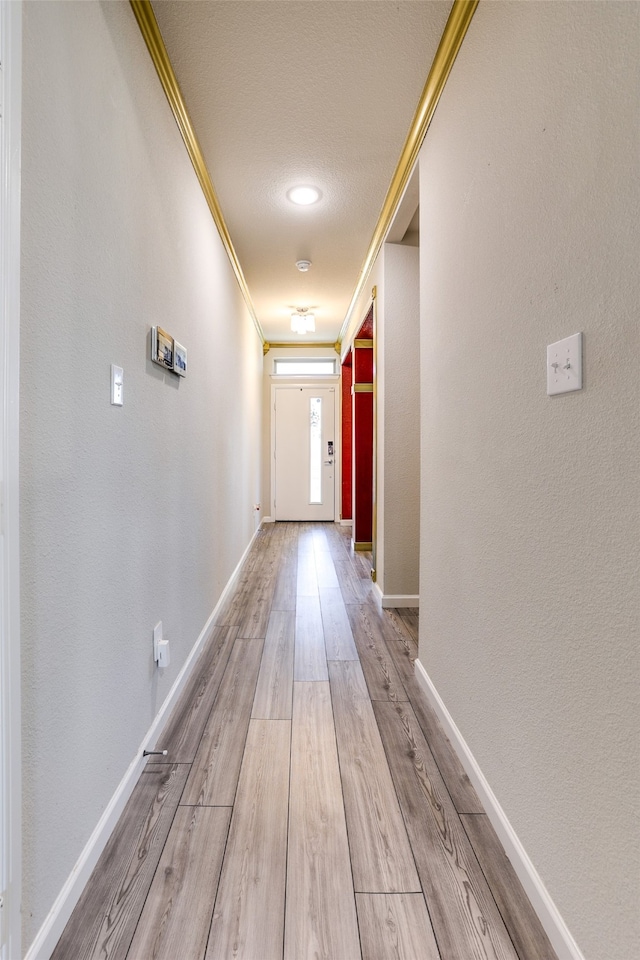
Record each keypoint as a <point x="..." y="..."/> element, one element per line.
<point x="303" y="265"/>
<point x="302" y="321"/>
<point x="304" y="195"/>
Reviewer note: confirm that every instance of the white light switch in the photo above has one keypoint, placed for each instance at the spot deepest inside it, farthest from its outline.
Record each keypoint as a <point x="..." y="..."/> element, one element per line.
<point x="117" y="385"/>
<point x="564" y="365"/>
<point x="161" y="653"/>
<point x="164" y="658"/>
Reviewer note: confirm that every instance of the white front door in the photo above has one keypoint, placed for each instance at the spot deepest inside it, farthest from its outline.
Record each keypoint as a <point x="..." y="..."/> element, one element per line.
<point x="304" y="453"/>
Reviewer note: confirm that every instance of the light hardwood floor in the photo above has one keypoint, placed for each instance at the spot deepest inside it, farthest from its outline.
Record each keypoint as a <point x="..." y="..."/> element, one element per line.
<point x="310" y="805"/>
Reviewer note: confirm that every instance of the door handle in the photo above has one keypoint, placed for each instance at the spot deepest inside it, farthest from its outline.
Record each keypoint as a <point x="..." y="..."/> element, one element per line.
<point x="328" y="461"/>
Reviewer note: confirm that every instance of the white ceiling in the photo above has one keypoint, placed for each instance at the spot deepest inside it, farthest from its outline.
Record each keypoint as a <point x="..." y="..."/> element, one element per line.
<point x="288" y="92"/>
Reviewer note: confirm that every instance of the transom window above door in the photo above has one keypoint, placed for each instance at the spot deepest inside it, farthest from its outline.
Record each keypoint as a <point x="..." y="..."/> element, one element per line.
<point x="304" y="367"/>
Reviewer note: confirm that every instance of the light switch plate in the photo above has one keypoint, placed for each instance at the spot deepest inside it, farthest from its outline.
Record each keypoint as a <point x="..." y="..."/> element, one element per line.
<point x="564" y="365"/>
<point x="117" y="385"/>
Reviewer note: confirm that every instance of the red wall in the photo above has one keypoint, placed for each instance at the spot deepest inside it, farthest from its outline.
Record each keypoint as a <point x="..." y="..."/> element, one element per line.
<point x="363" y="437"/>
<point x="366" y="330"/>
<point x="347" y="437"/>
<point x="363" y="425"/>
<point x="363" y="365"/>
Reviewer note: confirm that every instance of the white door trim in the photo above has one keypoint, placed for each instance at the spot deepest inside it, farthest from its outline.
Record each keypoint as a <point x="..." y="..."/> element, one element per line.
<point x="10" y="763"/>
<point x="337" y="473"/>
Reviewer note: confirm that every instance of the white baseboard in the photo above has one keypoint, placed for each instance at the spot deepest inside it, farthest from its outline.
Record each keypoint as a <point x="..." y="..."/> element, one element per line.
<point x="346" y="523"/>
<point x="49" y="933"/>
<point x="555" y="927"/>
<point x="388" y="600"/>
<point x="268" y="519"/>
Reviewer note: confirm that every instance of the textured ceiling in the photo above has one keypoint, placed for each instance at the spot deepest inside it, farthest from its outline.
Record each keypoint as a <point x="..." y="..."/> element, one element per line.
<point x="318" y="92"/>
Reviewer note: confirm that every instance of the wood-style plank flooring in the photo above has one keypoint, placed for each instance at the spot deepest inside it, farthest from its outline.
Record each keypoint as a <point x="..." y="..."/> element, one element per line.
<point x="310" y="804"/>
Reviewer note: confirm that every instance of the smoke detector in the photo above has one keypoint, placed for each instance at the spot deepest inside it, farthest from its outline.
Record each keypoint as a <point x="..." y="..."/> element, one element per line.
<point x="303" y="265"/>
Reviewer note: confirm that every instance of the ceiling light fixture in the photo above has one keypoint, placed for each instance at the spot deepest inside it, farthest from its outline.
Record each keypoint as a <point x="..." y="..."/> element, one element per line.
<point x="304" y="195"/>
<point x="302" y="321"/>
<point x="303" y="265"/>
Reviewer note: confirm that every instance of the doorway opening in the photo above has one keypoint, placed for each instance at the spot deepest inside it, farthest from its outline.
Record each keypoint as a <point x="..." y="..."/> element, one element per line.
<point x="304" y="449"/>
<point x="363" y="408"/>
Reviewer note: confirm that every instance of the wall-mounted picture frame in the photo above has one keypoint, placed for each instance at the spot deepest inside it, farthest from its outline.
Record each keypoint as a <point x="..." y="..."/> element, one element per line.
<point x="162" y="348"/>
<point x="179" y="359"/>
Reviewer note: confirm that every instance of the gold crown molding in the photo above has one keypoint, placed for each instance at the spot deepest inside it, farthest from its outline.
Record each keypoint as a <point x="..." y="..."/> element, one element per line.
<point x="454" y="33"/>
<point x="363" y="343"/>
<point x="150" y="30"/>
<point x="299" y="346"/>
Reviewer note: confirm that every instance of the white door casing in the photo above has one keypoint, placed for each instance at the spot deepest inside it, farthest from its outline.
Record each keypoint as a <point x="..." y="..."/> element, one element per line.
<point x="304" y="452"/>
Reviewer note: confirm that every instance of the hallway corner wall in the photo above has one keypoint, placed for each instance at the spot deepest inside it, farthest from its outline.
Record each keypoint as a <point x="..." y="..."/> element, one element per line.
<point x="132" y="514"/>
<point x="396" y="277"/>
<point x="399" y="423"/>
<point x="530" y="526"/>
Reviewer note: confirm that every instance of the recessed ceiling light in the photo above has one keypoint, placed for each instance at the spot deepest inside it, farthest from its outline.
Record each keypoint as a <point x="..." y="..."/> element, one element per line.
<point x="304" y="195"/>
<point x="303" y="265"/>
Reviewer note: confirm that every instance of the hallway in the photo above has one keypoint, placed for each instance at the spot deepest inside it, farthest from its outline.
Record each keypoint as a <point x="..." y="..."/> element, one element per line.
<point x="309" y="804"/>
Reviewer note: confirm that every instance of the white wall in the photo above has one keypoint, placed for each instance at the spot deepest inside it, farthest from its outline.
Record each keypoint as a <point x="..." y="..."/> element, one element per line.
<point x="132" y="514"/>
<point x="398" y="378"/>
<point x="10" y="735"/>
<point x="530" y="539"/>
